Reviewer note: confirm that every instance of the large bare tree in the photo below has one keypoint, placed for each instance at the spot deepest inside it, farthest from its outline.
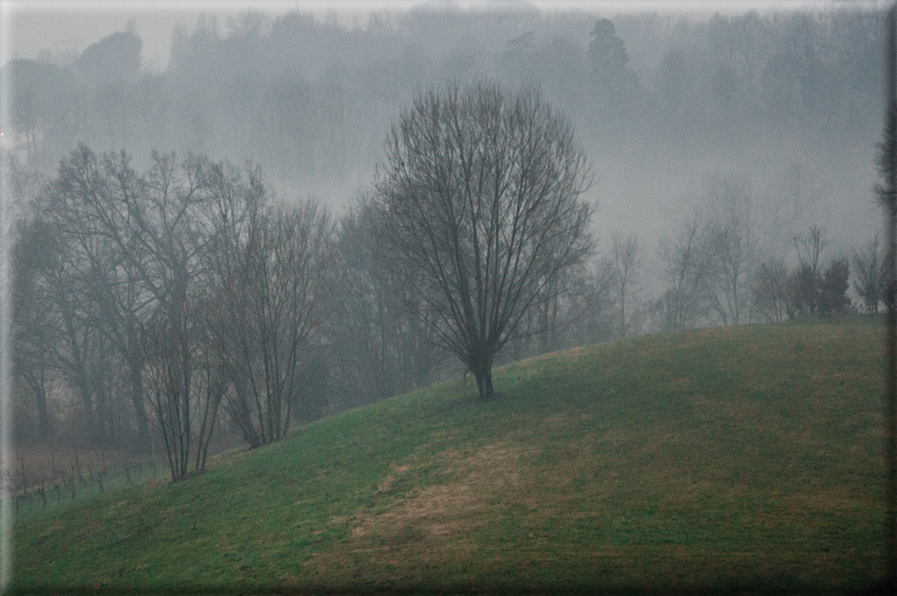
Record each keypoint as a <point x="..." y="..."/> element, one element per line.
<point x="481" y="191"/>
<point x="81" y="279"/>
<point x="807" y="279"/>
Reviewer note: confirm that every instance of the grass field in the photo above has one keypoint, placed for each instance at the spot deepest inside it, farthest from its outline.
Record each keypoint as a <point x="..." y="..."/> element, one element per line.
<point x="735" y="459"/>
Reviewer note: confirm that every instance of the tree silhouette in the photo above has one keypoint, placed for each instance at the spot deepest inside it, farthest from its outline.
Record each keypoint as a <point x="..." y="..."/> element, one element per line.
<point x="481" y="199"/>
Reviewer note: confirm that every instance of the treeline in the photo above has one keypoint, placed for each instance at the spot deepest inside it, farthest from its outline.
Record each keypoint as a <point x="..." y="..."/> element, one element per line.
<point x="308" y="100"/>
<point x="719" y="266"/>
<point x="161" y="304"/>
<point x="155" y="308"/>
<point x="177" y="302"/>
<point x="160" y="300"/>
<point x="157" y="297"/>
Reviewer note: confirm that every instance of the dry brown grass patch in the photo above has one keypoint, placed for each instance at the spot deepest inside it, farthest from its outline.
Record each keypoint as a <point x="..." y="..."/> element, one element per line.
<point x="431" y="523"/>
<point x="391" y="478"/>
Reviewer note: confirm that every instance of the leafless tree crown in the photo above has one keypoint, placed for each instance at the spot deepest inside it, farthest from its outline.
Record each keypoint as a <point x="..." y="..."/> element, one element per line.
<point x="481" y="191"/>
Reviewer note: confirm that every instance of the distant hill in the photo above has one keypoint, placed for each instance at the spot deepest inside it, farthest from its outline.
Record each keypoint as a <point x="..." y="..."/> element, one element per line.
<point x="733" y="459"/>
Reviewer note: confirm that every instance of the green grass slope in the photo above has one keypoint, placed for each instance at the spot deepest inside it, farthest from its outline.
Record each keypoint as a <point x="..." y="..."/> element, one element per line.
<point x="740" y="458"/>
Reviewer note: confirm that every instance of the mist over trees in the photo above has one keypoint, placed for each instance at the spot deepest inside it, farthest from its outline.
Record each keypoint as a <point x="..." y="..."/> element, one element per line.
<point x="309" y="100"/>
<point x="164" y="295"/>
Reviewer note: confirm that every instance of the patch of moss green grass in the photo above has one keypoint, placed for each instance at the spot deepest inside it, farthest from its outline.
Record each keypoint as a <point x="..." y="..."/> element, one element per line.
<point x="731" y="459"/>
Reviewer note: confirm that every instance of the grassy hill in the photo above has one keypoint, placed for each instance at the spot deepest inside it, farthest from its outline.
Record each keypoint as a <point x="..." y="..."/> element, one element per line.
<point x="736" y="458"/>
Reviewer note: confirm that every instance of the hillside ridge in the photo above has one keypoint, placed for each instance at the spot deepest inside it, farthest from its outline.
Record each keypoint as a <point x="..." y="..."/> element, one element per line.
<point x="740" y="456"/>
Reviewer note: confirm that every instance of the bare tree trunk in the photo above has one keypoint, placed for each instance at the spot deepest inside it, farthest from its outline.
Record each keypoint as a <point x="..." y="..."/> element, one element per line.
<point x="483" y="374"/>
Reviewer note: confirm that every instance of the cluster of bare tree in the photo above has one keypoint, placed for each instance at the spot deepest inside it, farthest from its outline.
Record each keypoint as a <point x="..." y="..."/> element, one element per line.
<point x="811" y="287"/>
<point x="155" y="298"/>
<point x="717" y="273"/>
<point x="708" y="262"/>
<point x="715" y="269"/>
<point x="149" y="303"/>
<point x="381" y="344"/>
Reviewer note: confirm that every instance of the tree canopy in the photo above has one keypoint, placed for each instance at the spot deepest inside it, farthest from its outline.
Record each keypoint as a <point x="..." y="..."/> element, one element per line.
<point x="481" y="192"/>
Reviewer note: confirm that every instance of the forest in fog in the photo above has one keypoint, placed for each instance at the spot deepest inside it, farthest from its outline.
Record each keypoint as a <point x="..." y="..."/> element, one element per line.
<point x="789" y="100"/>
<point x="733" y="162"/>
